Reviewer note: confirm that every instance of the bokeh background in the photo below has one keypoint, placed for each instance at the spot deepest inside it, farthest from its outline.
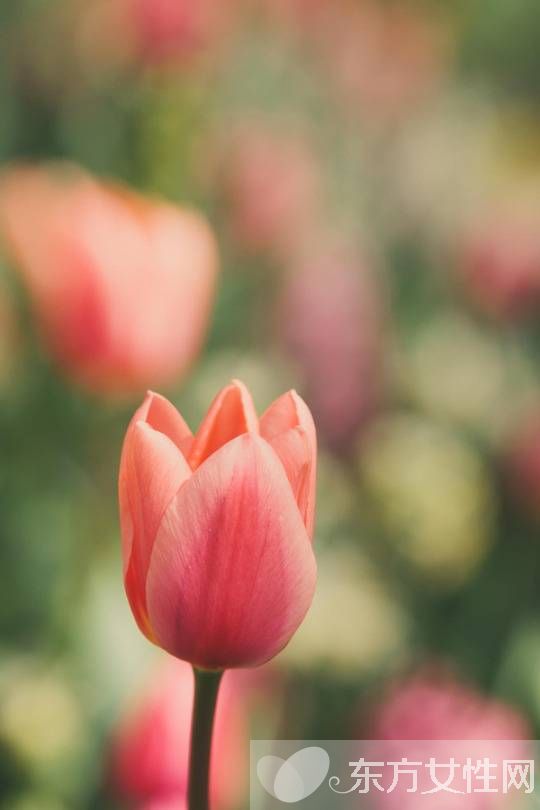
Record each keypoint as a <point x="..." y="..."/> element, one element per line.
<point x="371" y="171"/>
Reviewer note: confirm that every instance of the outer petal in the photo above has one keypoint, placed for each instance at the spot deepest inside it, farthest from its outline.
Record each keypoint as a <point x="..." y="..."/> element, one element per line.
<point x="232" y="573"/>
<point x="231" y="414"/>
<point x="288" y="426"/>
<point x="151" y="471"/>
<point x="160" y="414"/>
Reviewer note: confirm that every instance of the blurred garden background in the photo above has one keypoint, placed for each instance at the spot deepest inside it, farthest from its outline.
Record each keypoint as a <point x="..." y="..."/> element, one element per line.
<point x="370" y="170"/>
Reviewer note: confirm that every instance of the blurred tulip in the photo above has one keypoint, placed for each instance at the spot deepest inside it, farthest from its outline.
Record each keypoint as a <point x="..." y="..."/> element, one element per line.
<point x="272" y="187"/>
<point x="499" y="265"/>
<point x="332" y="323"/>
<point x="432" y="495"/>
<point x="218" y="564"/>
<point x="150" y="750"/>
<point x="121" y="285"/>
<point x="432" y="710"/>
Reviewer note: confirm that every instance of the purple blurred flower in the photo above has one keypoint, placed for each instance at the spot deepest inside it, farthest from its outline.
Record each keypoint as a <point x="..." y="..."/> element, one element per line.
<point x="331" y="320"/>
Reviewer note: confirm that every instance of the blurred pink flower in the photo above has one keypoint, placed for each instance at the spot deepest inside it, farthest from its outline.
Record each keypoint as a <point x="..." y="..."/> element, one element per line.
<point x="331" y="320"/>
<point x="271" y="184"/>
<point x="150" y="748"/>
<point x="121" y="285"/>
<point x="499" y="265"/>
<point x="432" y="706"/>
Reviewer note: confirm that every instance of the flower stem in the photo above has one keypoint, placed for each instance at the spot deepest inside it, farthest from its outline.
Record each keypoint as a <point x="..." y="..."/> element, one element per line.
<point x="204" y="707"/>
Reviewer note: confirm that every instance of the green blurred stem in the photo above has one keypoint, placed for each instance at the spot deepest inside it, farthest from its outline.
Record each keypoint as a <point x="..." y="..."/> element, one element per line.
<point x="204" y="708"/>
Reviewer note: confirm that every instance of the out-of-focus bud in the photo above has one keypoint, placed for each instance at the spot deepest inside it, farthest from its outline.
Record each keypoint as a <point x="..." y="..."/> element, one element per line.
<point x="271" y="183"/>
<point x="150" y="751"/>
<point x="331" y="320"/>
<point x="523" y="464"/>
<point x="499" y="265"/>
<point x="442" y="718"/>
<point x="354" y="625"/>
<point x="121" y="285"/>
<point x="431" y="494"/>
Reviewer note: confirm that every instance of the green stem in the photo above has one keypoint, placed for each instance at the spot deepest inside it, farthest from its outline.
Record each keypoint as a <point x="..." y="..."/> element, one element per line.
<point x="204" y="708"/>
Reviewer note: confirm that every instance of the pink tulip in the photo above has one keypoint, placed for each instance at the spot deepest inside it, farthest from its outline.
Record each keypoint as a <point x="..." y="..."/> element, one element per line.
<point x="441" y="717"/>
<point x="218" y="564"/>
<point x="150" y="749"/>
<point x="121" y="285"/>
<point x="331" y="318"/>
<point x="500" y="265"/>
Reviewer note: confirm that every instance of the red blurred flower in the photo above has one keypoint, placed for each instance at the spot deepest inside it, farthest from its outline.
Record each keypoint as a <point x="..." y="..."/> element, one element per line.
<point x="332" y="323"/>
<point x="177" y="30"/>
<point x="218" y="564"/>
<point x="150" y="752"/>
<point x="499" y="265"/>
<point x="121" y="285"/>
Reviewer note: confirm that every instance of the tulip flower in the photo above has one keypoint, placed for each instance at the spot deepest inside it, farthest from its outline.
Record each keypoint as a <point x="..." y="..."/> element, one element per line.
<point x="121" y="285"/>
<point x="150" y="748"/>
<point x="218" y="564"/>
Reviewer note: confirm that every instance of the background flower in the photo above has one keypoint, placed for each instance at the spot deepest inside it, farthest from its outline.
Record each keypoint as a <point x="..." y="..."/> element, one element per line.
<point x="108" y="273"/>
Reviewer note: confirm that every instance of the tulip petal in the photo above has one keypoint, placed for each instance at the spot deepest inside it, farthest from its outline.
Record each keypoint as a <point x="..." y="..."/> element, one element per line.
<point x="288" y="427"/>
<point x="232" y="573"/>
<point x="160" y="414"/>
<point x="231" y="414"/>
<point x="151" y="472"/>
